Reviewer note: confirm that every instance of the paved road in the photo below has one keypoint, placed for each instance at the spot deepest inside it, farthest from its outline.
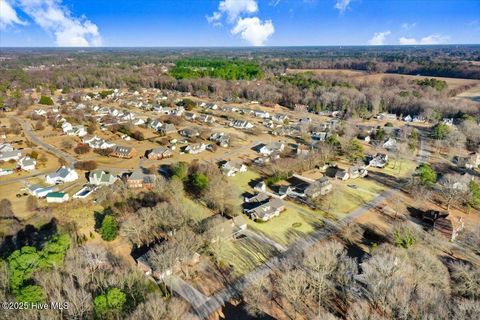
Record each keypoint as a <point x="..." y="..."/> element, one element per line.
<point x="30" y="135"/>
<point x="18" y="179"/>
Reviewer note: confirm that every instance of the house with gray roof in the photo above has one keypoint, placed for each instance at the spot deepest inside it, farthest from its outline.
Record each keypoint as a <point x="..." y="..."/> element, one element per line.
<point x="101" y="178"/>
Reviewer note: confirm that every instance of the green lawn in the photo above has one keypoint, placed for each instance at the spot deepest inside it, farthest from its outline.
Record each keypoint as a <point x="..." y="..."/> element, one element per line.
<point x="244" y="255"/>
<point x="242" y="180"/>
<point x="197" y="211"/>
<point x="292" y="224"/>
<point x="346" y="199"/>
<point x="402" y="168"/>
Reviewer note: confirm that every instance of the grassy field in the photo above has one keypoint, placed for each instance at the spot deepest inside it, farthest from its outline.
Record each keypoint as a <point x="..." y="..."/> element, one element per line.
<point x="402" y="168"/>
<point x="196" y="210"/>
<point x="243" y="255"/>
<point x="472" y="94"/>
<point x="377" y="77"/>
<point x="292" y="224"/>
<point x="345" y="199"/>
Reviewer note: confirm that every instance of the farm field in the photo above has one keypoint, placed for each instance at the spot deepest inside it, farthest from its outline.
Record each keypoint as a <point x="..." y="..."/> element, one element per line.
<point x="377" y="77"/>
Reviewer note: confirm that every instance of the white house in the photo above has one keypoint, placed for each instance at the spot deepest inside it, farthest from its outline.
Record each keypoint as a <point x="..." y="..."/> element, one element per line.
<point x="262" y="114"/>
<point x="231" y="168"/>
<point x="390" y="144"/>
<point x="280" y="118"/>
<point x="241" y="124"/>
<point x="270" y="148"/>
<point x="10" y="155"/>
<point x="5" y="172"/>
<point x="101" y="178"/>
<point x="62" y="175"/>
<point x="26" y="163"/>
<point x="39" y="191"/>
<point x="195" y="148"/>
<point x="98" y="143"/>
<point x="57" y="197"/>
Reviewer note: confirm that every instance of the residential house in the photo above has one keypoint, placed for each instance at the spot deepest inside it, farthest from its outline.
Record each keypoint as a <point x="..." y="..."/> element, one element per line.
<point x="319" y="135"/>
<point x="472" y="161"/>
<point x="342" y="174"/>
<point x="280" y="118"/>
<point x="6" y="147"/>
<point x="221" y="138"/>
<point x="261" y="186"/>
<point x="221" y="228"/>
<point x="365" y="136"/>
<point x="123" y="152"/>
<point x="229" y="109"/>
<point x="138" y="179"/>
<point x="356" y="172"/>
<point x="206" y="118"/>
<point x="390" y="144"/>
<point x="262" y="114"/>
<point x="408" y="118"/>
<point x="167" y="128"/>
<point x="189" y="132"/>
<point x="38" y="191"/>
<point x="318" y="188"/>
<point x="5" y="172"/>
<point x="231" y="168"/>
<point x="155" y="124"/>
<point x="26" y="163"/>
<point x="380" y="160"/>
<point x="10" y="155"/>
<point x="101" y="178"/>
<point x="241" y="124"/>
<point x="97" y="143"/>
<point x="190" y="116"/>
<point x="448" y="121"/>
<point x="195" y="148"/>
<point x="159" y="153"/>
<point x="62" y="175"/>
<point x="264" y="208"/>
<point x="57" y="197"/>
<point x="138" y="122"/>
<point x="211" y="106"/>
<point x="274" y="147"/>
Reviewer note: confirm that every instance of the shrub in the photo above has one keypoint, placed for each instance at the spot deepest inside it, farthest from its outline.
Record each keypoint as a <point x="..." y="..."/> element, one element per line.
<point x="109" y="228"/>
<point x="198" y="182"/>
<point x="45" y="100"/>
<point x="81" y="149"/>
<point x="404" y="238"/>
<point x="440" y="131"/>
<point x="427" y="175"/>
<point x="111" y="302"/>
<point x="86" y="165"/>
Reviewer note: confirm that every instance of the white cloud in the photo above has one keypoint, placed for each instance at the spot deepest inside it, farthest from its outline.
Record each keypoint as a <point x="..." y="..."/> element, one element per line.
<point x="254" y="30"/>
<point x="8" y="15"/>
<point x="69" y="31"/>
<point x="342" y="5"/>
<point x="408" y="26"/>
<point x="379" y="38"/>
<point x="435" y="39"/>
<point x="407" y="41"/>
<point x="233" y="8"/>
<point x="431" y="39"/>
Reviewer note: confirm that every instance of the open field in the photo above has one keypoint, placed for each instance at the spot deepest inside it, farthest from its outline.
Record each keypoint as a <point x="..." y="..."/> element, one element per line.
<point x="292" y="224"/>
<point x="472" y="94"/>
<point x="243" y="255"/>
<point x="351" y="194"/>
<point x="377" y="77"/>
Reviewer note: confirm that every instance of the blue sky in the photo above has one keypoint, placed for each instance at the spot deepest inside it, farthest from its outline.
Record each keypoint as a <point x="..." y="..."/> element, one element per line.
<point x="50" y="23"/>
